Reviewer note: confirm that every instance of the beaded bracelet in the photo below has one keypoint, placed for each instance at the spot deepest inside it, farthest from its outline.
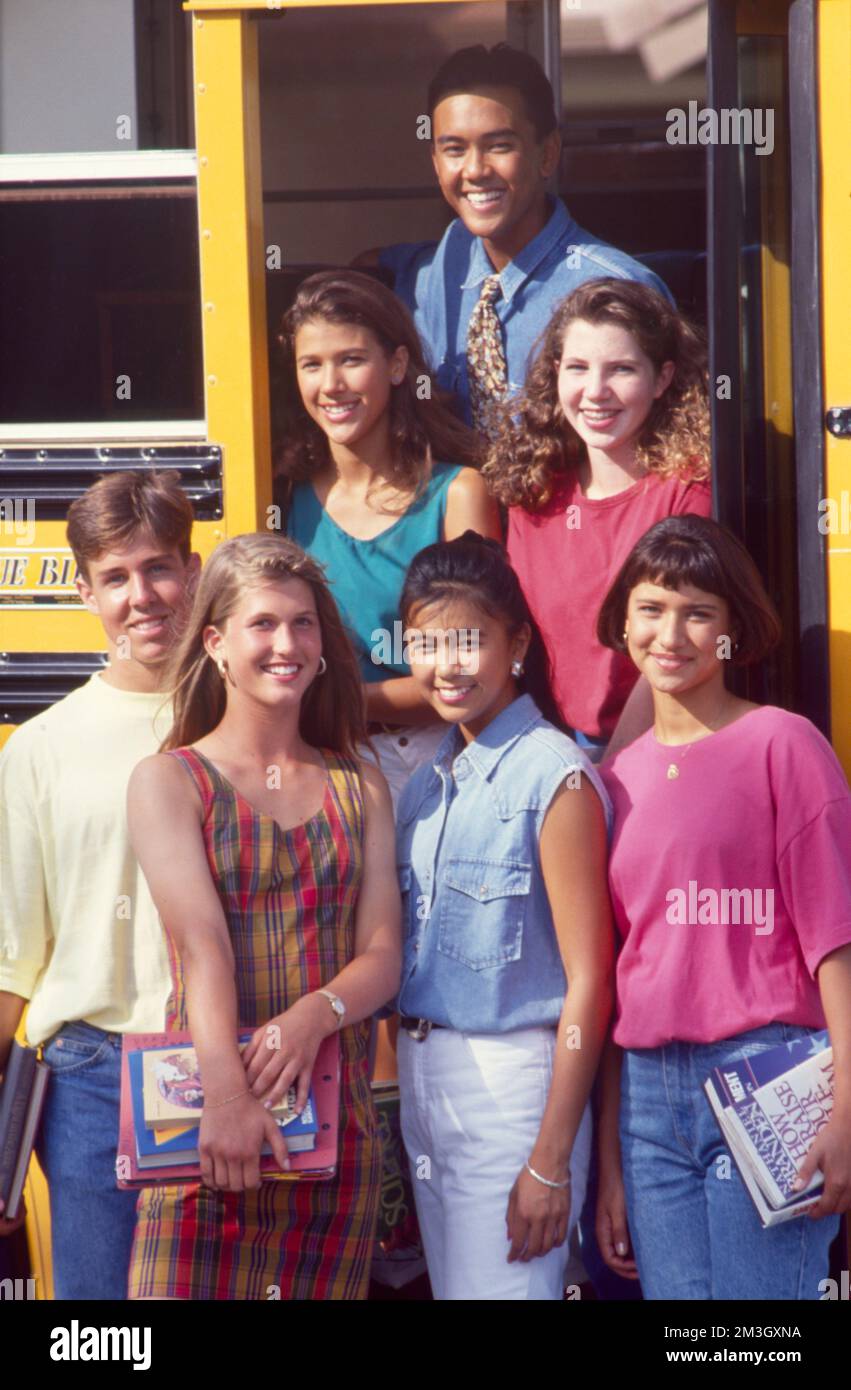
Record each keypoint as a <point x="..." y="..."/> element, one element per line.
<point x="546" y="1181"/>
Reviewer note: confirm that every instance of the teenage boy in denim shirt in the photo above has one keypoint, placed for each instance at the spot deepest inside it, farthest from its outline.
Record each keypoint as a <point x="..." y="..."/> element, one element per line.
<point x="80" y="938"/>
<point x="495" y="143"/>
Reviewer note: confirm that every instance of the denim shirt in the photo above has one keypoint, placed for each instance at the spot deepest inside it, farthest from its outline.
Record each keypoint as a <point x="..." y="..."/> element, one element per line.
<point x="480" y="950"/>
<point x="441" y="283"/>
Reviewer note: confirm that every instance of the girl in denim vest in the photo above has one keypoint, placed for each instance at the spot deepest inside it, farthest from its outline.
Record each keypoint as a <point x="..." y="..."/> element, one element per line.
<point x="502" y="861"/>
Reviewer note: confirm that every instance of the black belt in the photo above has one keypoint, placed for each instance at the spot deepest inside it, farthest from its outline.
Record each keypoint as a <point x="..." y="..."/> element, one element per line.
<point x="418" y="1028"/>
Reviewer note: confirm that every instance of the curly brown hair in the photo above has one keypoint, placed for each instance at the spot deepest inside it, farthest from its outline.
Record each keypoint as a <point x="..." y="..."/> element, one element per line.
<point x="422" y="427"/>
<point x="534" y="443"/>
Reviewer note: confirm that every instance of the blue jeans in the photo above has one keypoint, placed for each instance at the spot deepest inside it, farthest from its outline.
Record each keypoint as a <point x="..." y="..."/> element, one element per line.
<point x="92" y="1220"/>
<point x="694" y="1229"/>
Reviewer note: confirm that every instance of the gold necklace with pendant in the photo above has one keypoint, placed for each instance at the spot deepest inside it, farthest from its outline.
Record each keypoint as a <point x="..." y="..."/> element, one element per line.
<point x="673" y="769"/>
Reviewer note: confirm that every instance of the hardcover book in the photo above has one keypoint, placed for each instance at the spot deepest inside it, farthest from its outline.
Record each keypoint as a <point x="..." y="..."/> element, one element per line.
<point x="21" y="1099"/>
<point x="770" y="1108"/>
<point x="167" y="1147"/>
<point x="173" y="1094"/>
<point x="136" y="1168"/>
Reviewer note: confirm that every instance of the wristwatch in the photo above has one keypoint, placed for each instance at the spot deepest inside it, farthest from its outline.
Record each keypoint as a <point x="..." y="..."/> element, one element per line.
<point x="337" y="1005"/>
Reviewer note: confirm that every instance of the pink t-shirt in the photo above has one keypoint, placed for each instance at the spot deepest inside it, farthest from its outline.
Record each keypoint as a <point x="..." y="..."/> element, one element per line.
<point x="730" y="882"/>
<point x="566" y="557"/>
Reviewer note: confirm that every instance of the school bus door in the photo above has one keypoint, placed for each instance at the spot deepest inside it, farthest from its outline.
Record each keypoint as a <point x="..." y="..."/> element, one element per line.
<point x="780" y="354"/>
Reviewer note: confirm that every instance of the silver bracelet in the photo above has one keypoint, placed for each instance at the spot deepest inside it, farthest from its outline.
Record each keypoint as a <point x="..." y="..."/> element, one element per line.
<point x="546" y="1181"/>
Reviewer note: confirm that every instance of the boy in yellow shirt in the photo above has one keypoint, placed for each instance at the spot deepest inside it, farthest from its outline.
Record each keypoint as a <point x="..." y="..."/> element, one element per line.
<point x="80" y="938"/>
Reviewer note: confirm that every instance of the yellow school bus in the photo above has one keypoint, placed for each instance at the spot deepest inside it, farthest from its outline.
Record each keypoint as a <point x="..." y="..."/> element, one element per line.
<point x="169" y="175"/>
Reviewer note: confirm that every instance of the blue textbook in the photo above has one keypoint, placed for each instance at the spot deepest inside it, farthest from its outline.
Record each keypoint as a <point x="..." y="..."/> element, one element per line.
<point x="155" y="1150"/>
<point x="770" y="1108"/>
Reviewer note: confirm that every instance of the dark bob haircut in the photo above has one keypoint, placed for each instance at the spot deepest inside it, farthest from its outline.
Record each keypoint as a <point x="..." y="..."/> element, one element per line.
<point x="697" y="552"/>
<point x="477" y="569"/>
<point x="502" y="66"/>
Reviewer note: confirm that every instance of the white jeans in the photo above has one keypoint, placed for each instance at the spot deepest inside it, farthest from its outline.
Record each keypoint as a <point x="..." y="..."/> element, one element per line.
<point x="471" y="1108"/>
<point x="401" y="752"/>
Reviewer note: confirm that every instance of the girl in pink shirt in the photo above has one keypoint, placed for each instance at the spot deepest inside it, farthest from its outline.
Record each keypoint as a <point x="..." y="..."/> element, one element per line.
<point x="731" y="887"/>
<point x="610" y="435"/>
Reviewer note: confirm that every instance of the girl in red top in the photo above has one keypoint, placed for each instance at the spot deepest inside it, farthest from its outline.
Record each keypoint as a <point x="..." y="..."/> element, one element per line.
<point x="610" y="435"/>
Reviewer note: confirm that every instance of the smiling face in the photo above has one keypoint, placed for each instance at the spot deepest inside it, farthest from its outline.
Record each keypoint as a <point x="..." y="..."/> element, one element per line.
<point x="345" y="378"/>
<point x="673" y="636"/>
<point x="492" y="168"/>
<point x="271" y="644"/>
<point x="607" y="386"/>
<point x="139" y="594"/>
<point x="461" y="660"/>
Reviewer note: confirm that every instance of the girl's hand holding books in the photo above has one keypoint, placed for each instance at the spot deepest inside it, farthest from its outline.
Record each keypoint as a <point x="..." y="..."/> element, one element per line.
<point x="232" y="1134"/>
<point x="283" y="1051"/>
<point x="830" y="1152"/>
<point x="537" y="1217"/>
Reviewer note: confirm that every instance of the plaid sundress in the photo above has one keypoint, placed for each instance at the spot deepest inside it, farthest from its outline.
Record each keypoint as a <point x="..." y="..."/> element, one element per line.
<point x="289" y="898"/>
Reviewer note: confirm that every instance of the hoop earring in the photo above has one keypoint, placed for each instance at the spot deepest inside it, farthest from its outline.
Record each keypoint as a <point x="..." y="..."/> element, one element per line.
<point x="517" y="668"/>
<point x="323" y="666"/>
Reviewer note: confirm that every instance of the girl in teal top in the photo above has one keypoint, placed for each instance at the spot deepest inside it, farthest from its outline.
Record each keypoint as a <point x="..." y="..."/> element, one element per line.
<point x="368" y="574"/>
<point x="366" y="487"/>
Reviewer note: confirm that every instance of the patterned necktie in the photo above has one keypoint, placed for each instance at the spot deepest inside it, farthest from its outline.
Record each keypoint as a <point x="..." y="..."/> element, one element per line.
<point x="486" y="369"/>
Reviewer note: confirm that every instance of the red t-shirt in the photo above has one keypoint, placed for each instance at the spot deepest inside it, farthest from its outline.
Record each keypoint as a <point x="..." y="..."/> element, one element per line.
<point x="566" y="557"/>
<point x="731" y="882"/>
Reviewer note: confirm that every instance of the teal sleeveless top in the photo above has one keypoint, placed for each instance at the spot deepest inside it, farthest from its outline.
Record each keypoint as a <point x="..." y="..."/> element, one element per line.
<point x="366" y="577"/>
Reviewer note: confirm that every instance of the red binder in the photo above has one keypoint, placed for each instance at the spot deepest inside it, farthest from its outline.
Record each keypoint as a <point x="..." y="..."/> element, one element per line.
<point x="318" y="1163"/>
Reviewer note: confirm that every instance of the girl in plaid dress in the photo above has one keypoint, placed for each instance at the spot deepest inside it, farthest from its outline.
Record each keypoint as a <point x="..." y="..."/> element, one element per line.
<point x="263" y="840"/>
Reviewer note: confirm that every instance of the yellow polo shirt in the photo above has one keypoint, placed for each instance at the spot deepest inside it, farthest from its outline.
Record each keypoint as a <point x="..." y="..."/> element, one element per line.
<point x="79" y="934"/>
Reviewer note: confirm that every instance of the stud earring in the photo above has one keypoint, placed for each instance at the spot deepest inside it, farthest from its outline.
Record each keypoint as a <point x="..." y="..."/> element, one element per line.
<point x="221" y="667"/>
<point x="323" y="666"/>
<point x="517" y="668"/>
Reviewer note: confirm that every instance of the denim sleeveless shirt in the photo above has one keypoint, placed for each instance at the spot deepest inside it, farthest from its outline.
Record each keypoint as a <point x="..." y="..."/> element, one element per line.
<point x="480" y="948"/>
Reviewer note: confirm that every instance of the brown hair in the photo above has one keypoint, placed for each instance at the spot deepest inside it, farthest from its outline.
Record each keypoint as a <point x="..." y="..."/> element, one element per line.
<point x="332" y="711"/>
<point x="112" y="512"/>
<point x="698" y="552"/>
<point x="534" y="443"/>
<point x="419" y="429"/>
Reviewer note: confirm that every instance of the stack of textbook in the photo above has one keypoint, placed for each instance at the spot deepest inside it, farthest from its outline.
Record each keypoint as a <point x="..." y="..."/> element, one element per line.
<point x="770" y="1108"/>
<point x="21" y="1101"/>
<point x="161" y="1102"/>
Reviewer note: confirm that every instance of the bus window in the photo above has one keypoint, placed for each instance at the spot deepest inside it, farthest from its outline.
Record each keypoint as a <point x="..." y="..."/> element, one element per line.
<point x="100" y="291"/>
<point x="346" y="152"/>
<point x="93" y="75"/>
